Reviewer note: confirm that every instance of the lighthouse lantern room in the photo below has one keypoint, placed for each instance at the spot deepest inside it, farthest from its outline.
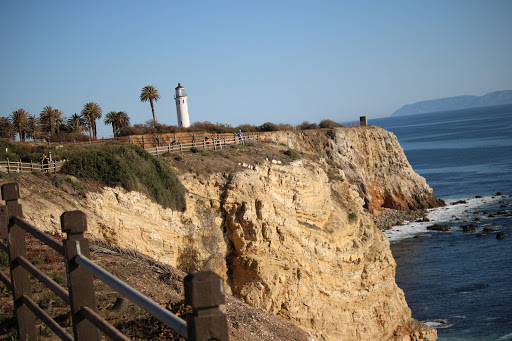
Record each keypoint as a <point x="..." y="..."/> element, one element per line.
<point x="182" y="107"/>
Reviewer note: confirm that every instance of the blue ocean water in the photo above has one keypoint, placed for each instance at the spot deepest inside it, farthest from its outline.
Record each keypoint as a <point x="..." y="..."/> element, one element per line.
<point x="459" y="283"/>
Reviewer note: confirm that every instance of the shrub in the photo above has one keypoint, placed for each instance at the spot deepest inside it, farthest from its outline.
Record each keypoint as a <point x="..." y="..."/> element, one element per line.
<point x="306" y="125"/>
<point x="268" y="126"/>
<point x="188" y="260"/>
<point x="329" y="124"/>
<point x="292" y="154"/>
<point x="196" y="150"/>
<point x="352" y="216"/>
<point x="132" y="168"/>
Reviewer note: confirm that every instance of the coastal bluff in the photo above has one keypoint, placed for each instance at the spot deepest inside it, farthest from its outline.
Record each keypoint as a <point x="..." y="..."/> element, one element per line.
<point x="294" y="238"/>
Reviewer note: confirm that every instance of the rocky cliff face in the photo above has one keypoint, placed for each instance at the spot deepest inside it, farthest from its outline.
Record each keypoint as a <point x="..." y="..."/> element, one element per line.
<point x="293" y="239"/>
<point x="372" y="160"/>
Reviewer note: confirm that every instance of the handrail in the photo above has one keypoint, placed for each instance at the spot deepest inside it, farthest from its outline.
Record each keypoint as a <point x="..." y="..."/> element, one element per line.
<point x="51" y="242"/>
<point x="47" y="319"/>
<point x="136" y="297"/>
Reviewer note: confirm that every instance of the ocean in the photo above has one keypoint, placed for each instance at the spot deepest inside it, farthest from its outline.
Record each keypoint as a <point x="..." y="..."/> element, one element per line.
<point x="459" y="283"/>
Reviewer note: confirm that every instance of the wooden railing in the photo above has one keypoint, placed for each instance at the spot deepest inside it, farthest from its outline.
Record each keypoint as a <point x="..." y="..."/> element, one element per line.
<point x="205" y="144"/>
<point x="203" y="290"/>
<point x="29" y="167"/>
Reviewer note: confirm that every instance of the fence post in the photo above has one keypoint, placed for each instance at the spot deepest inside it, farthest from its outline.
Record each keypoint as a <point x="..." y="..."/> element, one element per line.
<point x="20" y="277"/>
<point x="31" y="166"/>
<point x="142" y="141"/>
<point x="204" y="291"/>
<point x="81" y="289"/>
<point x="8" y="166"/>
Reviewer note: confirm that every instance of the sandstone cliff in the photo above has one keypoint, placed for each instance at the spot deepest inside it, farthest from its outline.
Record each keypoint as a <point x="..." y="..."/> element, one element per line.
<point x="293" y="238"/>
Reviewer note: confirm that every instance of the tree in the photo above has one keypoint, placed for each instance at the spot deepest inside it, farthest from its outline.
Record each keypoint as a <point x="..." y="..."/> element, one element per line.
<point x="150" y="93"/>
<point x="110" y="118"/>
<point x="19" y="119"/>
<point x="91" y="112"/>
<point x="46" y="119"/>
<point x="34" y="130"/>
<point x="58" y="119"/>
<point x="123" y="120"/>
<point x="6" y="128"/>
<point x="118" y="119"/>
<point x="77" y="124"/>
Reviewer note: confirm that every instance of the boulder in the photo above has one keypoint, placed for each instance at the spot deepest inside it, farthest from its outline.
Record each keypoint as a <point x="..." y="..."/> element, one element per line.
<point x="500" y="235"/>
<point x="488" y="229"/>
<point x="468" y="228"/>
<point x="438" y="227"/>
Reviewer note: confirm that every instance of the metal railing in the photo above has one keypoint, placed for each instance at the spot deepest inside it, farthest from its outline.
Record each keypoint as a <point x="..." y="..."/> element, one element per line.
<point x="203" y="290"/>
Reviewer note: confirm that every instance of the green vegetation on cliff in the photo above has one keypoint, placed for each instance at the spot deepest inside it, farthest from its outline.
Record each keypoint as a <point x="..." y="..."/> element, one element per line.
<point x="132" y="168"/>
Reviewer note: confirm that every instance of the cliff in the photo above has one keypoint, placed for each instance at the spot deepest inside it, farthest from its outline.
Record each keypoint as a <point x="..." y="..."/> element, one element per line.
<point x="292" y="237"/>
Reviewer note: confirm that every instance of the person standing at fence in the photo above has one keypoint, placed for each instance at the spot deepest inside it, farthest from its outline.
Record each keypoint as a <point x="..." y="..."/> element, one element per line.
<point x="44" y="163"/>
<point x="240" y="136"/>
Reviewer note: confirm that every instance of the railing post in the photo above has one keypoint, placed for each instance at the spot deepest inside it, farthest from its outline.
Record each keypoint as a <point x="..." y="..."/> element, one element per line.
<point x="81" y="289"/>
<point x="31" y="166"/>
<point x="20" y="278"/>
<point x="8" y="166"/>
<point x="204" y="291"/>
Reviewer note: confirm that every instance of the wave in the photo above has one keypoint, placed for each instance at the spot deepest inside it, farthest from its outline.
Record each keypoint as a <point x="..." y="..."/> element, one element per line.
<point x="458" y="211"/>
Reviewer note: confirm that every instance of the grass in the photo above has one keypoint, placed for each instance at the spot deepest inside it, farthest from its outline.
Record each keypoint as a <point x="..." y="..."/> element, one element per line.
<point x="130" y="167"/>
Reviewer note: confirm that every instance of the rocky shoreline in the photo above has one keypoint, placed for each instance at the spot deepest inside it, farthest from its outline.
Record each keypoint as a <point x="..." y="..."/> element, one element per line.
<point x="390" y="217"/>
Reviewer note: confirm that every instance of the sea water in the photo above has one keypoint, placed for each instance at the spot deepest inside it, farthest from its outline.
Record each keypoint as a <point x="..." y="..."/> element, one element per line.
<point x="459" y="283"/>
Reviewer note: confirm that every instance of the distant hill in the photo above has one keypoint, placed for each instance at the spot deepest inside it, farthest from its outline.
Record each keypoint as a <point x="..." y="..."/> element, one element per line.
<point x="455" y="103"/>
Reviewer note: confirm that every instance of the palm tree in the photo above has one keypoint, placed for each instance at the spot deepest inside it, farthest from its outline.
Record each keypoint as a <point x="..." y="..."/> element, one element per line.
<point x="77" y="124"/>
<point x="118" y="119"/>
<point x="111" y="118"/>
<point x="150" y="93"/>
<point x="58" y="119"/>
<point x="34" y="128"/>
<point x="91" y="111"/>
<point x="123" y="120"/>
<point x="46" y="119"/>
<point x="19" y="119"/>
<point x="6" y="128"/>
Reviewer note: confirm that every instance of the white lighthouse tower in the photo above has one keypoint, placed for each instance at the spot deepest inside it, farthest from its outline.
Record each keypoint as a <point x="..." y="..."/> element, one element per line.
<point x="182" y="107"/>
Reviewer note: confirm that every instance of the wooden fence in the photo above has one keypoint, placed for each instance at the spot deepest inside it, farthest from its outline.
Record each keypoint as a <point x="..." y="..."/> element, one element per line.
<point x="29" y="167"/>
<point x="203" y="290"/>
<point x="203" y="143"/>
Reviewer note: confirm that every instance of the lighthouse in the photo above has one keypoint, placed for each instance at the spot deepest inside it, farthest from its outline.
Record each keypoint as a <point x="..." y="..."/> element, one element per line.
<point x="182" y="107"/>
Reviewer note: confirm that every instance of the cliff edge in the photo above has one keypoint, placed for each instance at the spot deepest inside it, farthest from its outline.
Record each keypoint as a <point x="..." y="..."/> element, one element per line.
<point x="287" y="224"/>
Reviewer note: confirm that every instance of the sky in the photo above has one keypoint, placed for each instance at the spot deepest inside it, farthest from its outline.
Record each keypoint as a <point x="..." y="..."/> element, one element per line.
<point x="250" y="61"/>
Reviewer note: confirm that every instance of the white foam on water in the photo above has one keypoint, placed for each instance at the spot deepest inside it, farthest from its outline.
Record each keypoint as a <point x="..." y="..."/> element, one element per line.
<point x="505" y="337"/>
<point x="438" y="324"/>
<point x="464" y="212"/>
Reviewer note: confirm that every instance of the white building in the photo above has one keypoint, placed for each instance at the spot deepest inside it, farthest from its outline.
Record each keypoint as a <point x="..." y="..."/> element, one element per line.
<point x="182" y="107"/>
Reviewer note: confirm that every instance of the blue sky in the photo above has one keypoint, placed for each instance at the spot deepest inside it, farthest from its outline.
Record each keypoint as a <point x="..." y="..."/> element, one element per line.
<point x="251" y="61"/>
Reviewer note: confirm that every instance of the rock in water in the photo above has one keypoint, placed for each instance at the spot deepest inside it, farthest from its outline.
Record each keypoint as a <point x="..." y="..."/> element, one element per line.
<point x="438" y="227"/>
